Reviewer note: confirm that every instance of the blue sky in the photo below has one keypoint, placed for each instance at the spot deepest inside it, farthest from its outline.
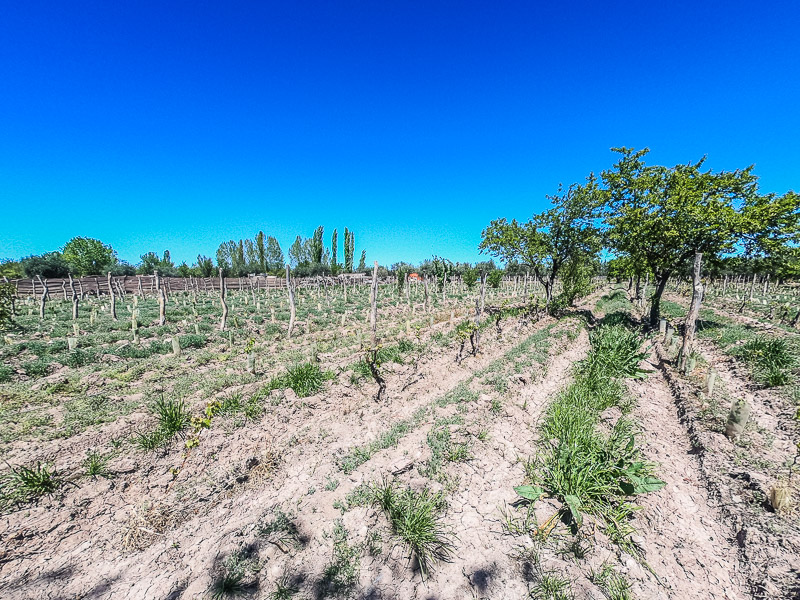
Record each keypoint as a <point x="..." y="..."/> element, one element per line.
<point x="178" y="125"/>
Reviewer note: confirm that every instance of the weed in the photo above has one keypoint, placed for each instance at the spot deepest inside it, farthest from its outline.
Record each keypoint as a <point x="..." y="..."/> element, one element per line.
<point x="280" y="530"/>
<point x="496" y="406"/>
<point x="37" y="368"/>
<point x="284" y="589"/>
<point x="552" y="587"/>
<point x="305" y="379"/>
<point x="414" y="517"/>
<point x="613" y="585"/>
<point x="173" y="416"/>
<point x="772" y="360"/>
<point x="25" y="484"/>
<point x="96" y="466"/>
<point x="331" y="484"/>
<point x="231" y="580"/>
<point x="6" y="373"/>
<point x="342" y="572"/>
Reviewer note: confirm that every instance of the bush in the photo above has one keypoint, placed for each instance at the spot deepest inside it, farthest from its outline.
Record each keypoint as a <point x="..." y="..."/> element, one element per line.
<point x="37" y="368"/>
<point x="192" y="341"/>
<point x="6" y="373"/>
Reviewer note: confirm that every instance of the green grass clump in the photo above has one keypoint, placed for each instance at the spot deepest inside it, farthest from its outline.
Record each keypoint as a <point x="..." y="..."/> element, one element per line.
<point x="173" y="417"/>
<point x="305" y="379"/>
<point x="23" y="484"/>
<point x="416" y="518"/>
<point x="96" y="466"/>
<point x="6" y="374"/>
<point x="590" y="471"/>
<point x="772" y="360"/>
<point x="613" y="585"/>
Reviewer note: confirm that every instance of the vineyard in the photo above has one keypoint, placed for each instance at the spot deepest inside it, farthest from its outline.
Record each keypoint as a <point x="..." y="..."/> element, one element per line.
<point x="362" y="439"/>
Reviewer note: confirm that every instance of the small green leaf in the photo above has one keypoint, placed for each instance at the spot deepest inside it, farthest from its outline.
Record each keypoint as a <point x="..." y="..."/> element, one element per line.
<point x="643" y="485"/>
<point x="573" y="502"/>
<point x="529" y="492"/>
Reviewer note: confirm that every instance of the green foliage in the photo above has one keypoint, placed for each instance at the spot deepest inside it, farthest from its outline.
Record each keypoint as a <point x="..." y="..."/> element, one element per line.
<point x="173" y="416"/>
<point x="470" y="278"/>
<point x="7" y="292"/>
<point x="48" y="266"/>
<point x="6" y="374"/>
<point x="546" y="243"/>
<point x="342" y="572"/>
<point x="96" y="465"/>
<point x="614" y="585"/>
<point x="495" y="278"/>
<point x="305" y="379"/>
<point x="588" y="471"/>
<point x="87" y="256"/>
<point x="23" y="484"/>
<point x="37" y="368"/>
<point x="772" y="360"/>
<point x="416" y="518"/>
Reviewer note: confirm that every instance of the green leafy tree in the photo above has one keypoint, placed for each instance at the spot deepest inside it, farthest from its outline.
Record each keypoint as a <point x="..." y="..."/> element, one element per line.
<point x="470" y="278"/>
<point x="275" y="261"/>
<point x="349" y="249"/>
<point x="48" y="265"/>
<point x="334" y="248"/>
<point x="661" y="217"/>
<point x="567" y="232"/>
<point x="495" y="278"/>
<point x="151" y="262"/>
<point x="362" y="262"/>
<point x="317" y="247"/>
<point x="87" y="256"/>
<point x="204" y="266"/>
<point x="261" y="252"/>
<point x="11" y="268"/>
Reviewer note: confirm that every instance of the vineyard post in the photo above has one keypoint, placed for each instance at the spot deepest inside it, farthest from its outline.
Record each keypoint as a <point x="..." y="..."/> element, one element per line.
<point x="483" y="291"/>
<point x="292" y="309"/>
<point x="113" y="297"/>
<point x="694" y="312"/>
<point x="222" y="300"/>
<point x="74" y="298"/>
<point x="373" y="315"/>
<point x="426" y="292"/>
<point x="43" y="299"/>
<point x="162" y="301"/>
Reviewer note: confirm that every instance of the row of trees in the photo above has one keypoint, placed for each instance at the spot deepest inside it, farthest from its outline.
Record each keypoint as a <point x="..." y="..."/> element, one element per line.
<point x="657" y="222"/>
<point x="263" y="254"/>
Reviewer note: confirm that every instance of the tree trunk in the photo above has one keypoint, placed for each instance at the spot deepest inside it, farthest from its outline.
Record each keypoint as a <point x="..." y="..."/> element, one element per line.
<point x="694" y="312"/>
<point x="752" y="287"/>
<point x="655" y="307"/>
<point x="113" y="297"/>
<point x="292" y="309"/>
<point x="224" y="319"/>
<point x="426" y="293"/>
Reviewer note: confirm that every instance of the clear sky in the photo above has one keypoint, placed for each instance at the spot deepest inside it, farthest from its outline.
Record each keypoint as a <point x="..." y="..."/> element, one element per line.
<point x="178" y="125"/>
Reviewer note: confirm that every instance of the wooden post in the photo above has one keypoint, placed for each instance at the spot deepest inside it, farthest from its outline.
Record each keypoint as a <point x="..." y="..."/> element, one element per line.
<point x="44" y="296"/>
<point x="162" y="300"/>
<point x="373" y="315"/>
<point x="74" y="298"/>
<point x="113" y="297"/>
<point x="694" y="312"/>
<point x="222" y="301"/>
<point x="292" y="308"/>
<point x="426" y="292"/>
<point x="483" y="290"/>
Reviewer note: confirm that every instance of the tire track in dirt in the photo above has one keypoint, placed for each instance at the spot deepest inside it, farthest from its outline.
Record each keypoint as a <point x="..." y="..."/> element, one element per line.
<point x="685" y="538"/>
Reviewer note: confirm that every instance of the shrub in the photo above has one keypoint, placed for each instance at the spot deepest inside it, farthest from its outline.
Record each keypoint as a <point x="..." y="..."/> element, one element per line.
<point x="37" y="368"/>
<point x="6" y="373"/>
<point x="305" y="379"/>
<point x="192" y="341"/>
